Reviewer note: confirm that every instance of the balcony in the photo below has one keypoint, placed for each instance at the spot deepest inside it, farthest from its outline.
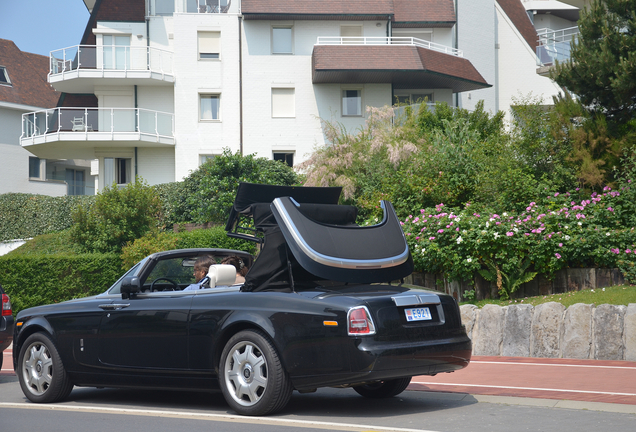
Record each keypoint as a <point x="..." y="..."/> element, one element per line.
<point x="73" y="133"/>
<point x="78" y="69"/>
<point x="404" y="62"/>
<point x="169" y="7"/>
<point x="555" y="45"/>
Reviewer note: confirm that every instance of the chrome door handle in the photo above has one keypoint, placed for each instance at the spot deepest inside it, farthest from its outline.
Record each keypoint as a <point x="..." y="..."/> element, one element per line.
<point x="114" y="306"/>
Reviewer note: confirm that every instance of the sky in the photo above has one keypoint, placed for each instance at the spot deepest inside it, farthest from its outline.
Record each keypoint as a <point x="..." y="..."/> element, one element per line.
<point x="42" y="26"/>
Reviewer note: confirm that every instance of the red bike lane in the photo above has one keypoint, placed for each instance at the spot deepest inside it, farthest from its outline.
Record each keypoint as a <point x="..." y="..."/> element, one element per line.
<point x="563" y="379"/>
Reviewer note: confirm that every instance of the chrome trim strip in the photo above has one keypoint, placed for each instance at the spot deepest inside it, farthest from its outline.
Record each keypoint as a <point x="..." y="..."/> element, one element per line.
<point x="416" y="299"/>
<point x="336" y="262"/>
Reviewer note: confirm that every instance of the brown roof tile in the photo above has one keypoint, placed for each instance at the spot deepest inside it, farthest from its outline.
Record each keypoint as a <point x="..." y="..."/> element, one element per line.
<point x="313" y="7"/>
<point x="403" y="66"/>
<point x="427" y="11"/>
<point x="28" y="76"/>
<point x="519" y="17"/>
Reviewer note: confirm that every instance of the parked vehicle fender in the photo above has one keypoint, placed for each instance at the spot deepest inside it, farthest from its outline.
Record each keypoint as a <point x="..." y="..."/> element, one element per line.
<point x="21" y="333"/>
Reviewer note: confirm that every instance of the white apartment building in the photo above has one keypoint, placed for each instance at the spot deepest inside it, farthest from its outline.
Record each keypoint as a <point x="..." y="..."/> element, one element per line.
<point x="157" y="86"/>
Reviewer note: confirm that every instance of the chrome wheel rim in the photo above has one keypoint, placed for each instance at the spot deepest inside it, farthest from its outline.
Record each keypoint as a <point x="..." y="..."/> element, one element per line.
<point x="37" y="369"/>
<point x="246" y="373"/>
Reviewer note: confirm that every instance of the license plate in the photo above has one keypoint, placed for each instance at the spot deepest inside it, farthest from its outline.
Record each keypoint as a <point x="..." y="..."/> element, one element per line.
<point x="418" y="314"/>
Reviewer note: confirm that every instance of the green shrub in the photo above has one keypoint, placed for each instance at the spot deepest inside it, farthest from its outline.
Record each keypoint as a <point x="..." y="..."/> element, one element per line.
<point x="27" y="215"/>
<point x="49" y="244"/>
<point x="119" y="215"/>
<point x="37" y="280"/>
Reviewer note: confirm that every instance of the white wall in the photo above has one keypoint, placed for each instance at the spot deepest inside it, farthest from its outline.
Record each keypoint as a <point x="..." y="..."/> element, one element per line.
<point x="14" y="174"/>
<point x="517" y="68"/>
<point x="155" y="165"/>
<point x="194" y="137"/>
<point x="477" y="32"/>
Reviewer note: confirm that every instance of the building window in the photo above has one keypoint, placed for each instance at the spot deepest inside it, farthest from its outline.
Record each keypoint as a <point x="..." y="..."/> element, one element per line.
<point x="210" y="105"/>
<point x="117" y="170"/>
<point x="75" y="182"/>
<point x="352" y="102"/>
<point x="351" y="34"/>
<point x="288" y="158"/>
<point x="205" y="158"/>
<point x="414" y="98"/>
<point x="4" y="76"/>
<point x="116" y="52"/>
<point x="35" y="168"/>
<point x="209" y="45"/>
<point x="164" y="7"/>
<point x="282" y="40"/>
<point x="283" y="102"/>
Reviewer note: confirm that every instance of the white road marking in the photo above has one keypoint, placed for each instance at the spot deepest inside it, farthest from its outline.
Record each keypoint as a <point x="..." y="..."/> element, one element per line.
<point x="216" y="417"/>
<point x="525" y="388"/>
<point x="551" y="364"/>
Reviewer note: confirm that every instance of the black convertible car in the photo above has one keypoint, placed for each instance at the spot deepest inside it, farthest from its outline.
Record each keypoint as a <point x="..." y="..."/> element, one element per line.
<point x="322" y="305"/>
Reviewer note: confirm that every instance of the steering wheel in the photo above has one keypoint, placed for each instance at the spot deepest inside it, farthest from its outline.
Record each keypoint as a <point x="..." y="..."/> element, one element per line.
<point x="152" y="285"/>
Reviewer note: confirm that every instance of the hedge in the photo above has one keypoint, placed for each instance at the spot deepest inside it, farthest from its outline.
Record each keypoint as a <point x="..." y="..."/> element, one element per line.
<point x="27" y="215"/>
<point x="32" y="280"/>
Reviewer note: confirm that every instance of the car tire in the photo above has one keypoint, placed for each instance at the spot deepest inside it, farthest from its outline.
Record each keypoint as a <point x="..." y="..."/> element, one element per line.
<point x="40" y="370"/>
<point x="383" y="389"/>
<point x="251" y="376"/>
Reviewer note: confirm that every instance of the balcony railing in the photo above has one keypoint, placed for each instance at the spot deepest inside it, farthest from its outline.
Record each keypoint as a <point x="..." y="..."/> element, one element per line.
<point x="99" y="121"/>
<point x="169" y="7"/>
<point x="379" y="40"/>
<point x="555" y="45"/>
<point x="111" y="58"/>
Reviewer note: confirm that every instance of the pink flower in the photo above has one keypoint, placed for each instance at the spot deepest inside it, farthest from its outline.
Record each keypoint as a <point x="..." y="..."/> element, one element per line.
<point x="615" y="250"/>
<point x="440" y="231"/>
<point x="560" y="244"/>
<point x="457" y="229"/>
<point x="556" y="194"/>
<point x="558" y="256"/>
<point x="628" y="251"/>
<point x="510" y="233"/>
<point x="431" y="238"/>
<point x="610" y="209"/>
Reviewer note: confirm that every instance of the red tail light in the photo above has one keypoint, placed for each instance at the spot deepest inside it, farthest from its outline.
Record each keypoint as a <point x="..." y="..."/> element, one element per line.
<point x="6" y="305"/>
<point x="360" y="322"/>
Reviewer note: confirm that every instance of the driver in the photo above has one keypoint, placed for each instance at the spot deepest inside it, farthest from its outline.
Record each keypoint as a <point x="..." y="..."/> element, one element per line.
<point x="201" y="267"/>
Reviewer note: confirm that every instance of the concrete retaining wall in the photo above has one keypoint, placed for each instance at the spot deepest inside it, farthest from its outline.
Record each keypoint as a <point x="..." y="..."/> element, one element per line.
<point x="582" y="331"/>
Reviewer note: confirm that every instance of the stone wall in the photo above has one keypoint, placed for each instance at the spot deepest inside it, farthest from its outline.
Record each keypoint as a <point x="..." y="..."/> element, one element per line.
<point x="549" y="330"/>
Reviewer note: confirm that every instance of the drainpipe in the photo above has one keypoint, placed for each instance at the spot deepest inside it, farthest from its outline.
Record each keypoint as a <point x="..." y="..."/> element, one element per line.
<point x="240" y="40"/>
<point x="136" y="127"/>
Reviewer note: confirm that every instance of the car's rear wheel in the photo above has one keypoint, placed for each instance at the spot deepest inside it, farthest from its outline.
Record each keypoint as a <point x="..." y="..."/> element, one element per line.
<point x="252" y="377"/>
<point x="41" y="372"/>
<point x="383" y="389"/>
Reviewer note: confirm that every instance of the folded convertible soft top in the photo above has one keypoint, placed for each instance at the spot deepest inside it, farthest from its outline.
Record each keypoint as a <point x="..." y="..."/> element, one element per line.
<point x="308" y="237"/>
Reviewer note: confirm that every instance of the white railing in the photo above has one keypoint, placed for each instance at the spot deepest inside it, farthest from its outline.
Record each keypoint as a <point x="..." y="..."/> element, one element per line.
<point x="98" y="120"/>
<point x="394" y="40"/>
<point x="110" y="58"/>
<point x="169" y="7"/>
<point x="555" y="44"/>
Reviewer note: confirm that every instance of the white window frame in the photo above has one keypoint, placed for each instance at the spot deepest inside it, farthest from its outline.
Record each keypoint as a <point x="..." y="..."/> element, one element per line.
<point x="342" y="101"/>
<point x="282" y="98"/>
<point x="5" y="74"/>
<point x="203" y="158"/>
<point x="210" y="49"/>
<point x="285" y="153"/>
<point x="211" y="95"/>
<point x="41" y="167"/>
<point x="291" y="36"/>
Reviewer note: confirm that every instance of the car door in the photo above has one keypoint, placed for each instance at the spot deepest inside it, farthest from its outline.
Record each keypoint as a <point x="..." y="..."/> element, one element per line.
<point x="150" y="329"/>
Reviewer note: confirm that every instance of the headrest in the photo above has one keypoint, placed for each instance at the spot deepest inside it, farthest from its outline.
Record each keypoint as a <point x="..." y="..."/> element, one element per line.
<point x="221" y="274"/>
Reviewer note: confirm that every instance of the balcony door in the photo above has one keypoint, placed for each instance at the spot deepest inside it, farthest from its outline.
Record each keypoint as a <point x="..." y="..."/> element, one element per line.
<point x="116" y="52"/>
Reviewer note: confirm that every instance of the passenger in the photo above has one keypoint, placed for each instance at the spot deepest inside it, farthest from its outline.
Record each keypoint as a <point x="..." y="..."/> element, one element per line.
<point x="201" y="267"/>
<point x="239" y="265"/>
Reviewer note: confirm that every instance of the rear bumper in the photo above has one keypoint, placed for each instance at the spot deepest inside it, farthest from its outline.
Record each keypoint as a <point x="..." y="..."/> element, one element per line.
<point x="371" y="361"/>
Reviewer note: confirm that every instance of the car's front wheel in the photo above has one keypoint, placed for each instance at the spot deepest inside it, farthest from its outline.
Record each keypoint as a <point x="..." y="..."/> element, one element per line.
<point x="41" y="372"/>
<point x="252" y="377"/>
<point x="383" y="389"/>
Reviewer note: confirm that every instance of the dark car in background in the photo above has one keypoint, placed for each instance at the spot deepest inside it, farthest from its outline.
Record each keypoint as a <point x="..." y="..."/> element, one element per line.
<point x="322" y="306"/>
<point x="6" y="323"/>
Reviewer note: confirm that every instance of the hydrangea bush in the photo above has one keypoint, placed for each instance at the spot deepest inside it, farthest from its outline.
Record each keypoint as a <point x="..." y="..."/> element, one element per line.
<point x="562" y="230"/>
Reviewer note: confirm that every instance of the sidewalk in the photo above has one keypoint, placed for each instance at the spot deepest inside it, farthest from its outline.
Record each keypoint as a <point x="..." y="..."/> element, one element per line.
<point x="562" y="379"/>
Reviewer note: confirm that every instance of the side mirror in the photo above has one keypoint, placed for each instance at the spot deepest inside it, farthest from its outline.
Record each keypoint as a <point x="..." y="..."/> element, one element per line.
<point x="130" y="285"/>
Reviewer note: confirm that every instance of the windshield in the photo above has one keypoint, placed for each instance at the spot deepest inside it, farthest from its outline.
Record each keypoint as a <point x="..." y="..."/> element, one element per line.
<point x="116" y="287"/>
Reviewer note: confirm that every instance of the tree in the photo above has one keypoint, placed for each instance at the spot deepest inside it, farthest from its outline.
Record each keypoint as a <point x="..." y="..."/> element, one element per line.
<point x="601" y="70"/>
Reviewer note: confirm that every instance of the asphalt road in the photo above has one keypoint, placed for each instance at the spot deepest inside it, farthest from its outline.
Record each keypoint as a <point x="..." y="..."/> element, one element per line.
<point x="490" y="395"/>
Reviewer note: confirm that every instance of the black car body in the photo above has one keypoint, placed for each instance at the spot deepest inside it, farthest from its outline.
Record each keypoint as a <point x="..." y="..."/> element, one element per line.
<point x="317" y="309"/>
<point x="6" y="323"/>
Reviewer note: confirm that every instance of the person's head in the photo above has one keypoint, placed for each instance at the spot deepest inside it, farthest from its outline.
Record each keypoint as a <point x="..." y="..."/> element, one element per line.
<point x="239" y="265"/>
<point x="201" y="267"/>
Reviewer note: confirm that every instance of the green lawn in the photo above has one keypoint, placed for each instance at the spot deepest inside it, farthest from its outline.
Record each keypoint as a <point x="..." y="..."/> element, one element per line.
<point x="617" y="295"/>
